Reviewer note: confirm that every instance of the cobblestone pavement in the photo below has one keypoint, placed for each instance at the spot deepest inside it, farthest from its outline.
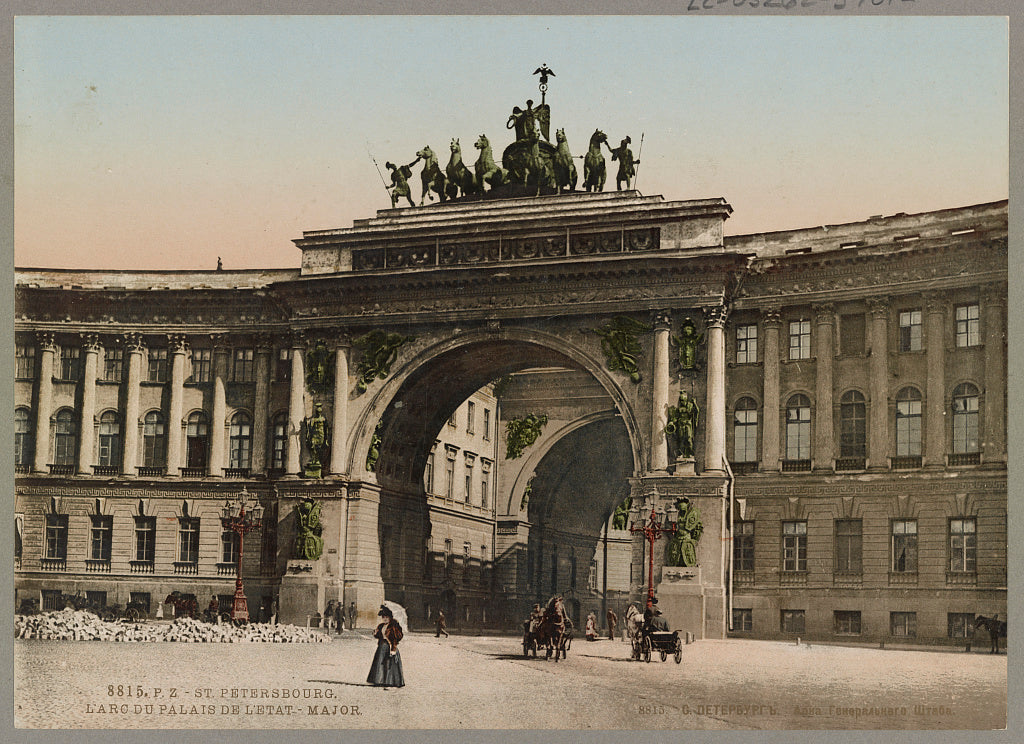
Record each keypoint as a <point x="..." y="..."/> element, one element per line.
<point x="484" y="682"/>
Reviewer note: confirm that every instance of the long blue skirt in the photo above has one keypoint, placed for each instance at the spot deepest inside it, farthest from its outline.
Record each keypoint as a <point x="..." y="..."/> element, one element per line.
<point x="386" y="670"/>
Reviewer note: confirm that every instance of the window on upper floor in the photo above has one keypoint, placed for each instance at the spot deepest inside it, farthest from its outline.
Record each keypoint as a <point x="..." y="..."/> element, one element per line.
<point x="240" y="441"/>
<point x="743" y="546"/>
<point x="145" y="540"/>
<point x="904" y="545"/>
<point x="109" y="440"/>
<point x="852" y="425"/>
<point x="56" y="547"/>
<point x="113" y="364"/>
<point x="746" y="344"/>
<point x="65" y="440"/>
<point x="428" y="473"/>
<point x="798" y="428"/>
<point x="228" y="546"/>
<point x="745" y="430"/>
<point x="800" y="339"/>
<point x="487" y="425"/>
<point x="197" y="438"/>
<point x="188" y="540"/>
<point x="470" y="417"/>
<point x="908" y="423"/>
<point x="963" y="545"/>
<point x="101" y="535"/>
<point x="283" y="365"/>
<point x="968" y="331"/>
<point x="910" y="330"/>
<point x="23" y="439"/>
<point x="279" y="441"/>
<point x="69" y="363"/>
<point x="202" y="363"/>
<point x="157" y="365"/>
<point x="794" y="546"/>
<point x="965" y="419"/>
<point x="154" y="440"/>
<point x="24" y="362"/>
<point x="244" y="370"/>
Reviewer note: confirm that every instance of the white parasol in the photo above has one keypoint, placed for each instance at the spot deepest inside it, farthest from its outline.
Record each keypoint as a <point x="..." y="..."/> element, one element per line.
<point x="399" y="612"/>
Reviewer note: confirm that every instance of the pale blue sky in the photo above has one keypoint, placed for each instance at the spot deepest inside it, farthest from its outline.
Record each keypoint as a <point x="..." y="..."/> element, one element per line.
<point x="163" y="142"/>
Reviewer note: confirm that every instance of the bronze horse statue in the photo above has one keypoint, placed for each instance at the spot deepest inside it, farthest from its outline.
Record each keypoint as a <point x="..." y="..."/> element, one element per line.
<point x="432" y="177"/>
<point x="565" y="169"/>
<point x="594" y="172"/>
<point x="459" y="176"/>
<point x="487" y="171"/>
<point x="996" y="629"/>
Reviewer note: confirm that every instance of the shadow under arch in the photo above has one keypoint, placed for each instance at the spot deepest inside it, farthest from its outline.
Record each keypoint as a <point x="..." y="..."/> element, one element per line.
<point x="414" y="403"/>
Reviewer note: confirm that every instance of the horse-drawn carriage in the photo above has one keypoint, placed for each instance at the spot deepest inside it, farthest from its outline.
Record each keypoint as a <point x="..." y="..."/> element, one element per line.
<point x="647" y="640"/>
<point x="551" y="629"/>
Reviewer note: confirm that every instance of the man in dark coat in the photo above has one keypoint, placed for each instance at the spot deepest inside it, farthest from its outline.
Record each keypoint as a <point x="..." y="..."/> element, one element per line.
<point x="613" y="621"/>
<point x="441" y="625"/>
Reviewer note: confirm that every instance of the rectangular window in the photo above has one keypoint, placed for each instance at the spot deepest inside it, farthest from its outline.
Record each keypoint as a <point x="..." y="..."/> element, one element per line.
<point x="69" y="363"/>
<point x="451" y="419"/>
<point x="851" y="334"/>
<point x="848" y="546"/>
<point x="743" y="546"/>
<point x="56" y="537"/>
<point x="746" y="344"/>
<point x="487" y="425"/>
<point x="792" y="621"/>
<point x="188" y="540"/>
<point x="903" y="624"/>
<point x="910" y="330"/>
<point x="25" y="362"/>
<point x="145" y="539"/>
<point x="745" y="434"/>
<point x="470" y="417"/>
<point x="202" y="363"/>
<point x="157" y="365"/>
<point x="800" y="339"/>
<point x="963" y="545"/>
<point x="428" y="473"/>
<point x="960" y="624"/>
<point x="846" y="622"/>
<point x="53" y="599"/>
<point x="101" y="537"/>
<point x="485" y="487"/>
<point x="228" y="546"/>
<point x="449" y="474"/>
<point x="113" y="365"/>
<point x="904" y="546"/>
<point x="794" y="546"/>
<point x="96" y="599"/>
<point x="967" y="329"/>
<point x="742" y="620"/>
<point x="283" y="367"/>
<point x="244" y="370"/>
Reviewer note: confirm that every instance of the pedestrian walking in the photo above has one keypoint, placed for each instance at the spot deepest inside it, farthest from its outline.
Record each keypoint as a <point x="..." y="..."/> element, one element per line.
<point x="352" y="616"/>
<point x="329" y="617"/>
<point x="339" y="617"/>
<point x="441" y="625"/>
<point x="613" y="621"/>
<point x="386" y="669"/>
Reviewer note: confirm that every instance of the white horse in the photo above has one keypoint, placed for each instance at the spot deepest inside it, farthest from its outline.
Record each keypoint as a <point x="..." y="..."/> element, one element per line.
<point x="633" y="624"/>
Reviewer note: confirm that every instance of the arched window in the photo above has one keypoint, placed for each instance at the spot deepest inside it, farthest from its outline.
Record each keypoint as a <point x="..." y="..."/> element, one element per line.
<point x="908" y="423"/>
<point x="110" y="440"/>
<point x="745" y="430"/>
<point x="154" y="440"/>
<point x="852" y="425"/>
<point x="197" y="440"/>
<point x="798" y="428"/>
<point x="965" y="419"/>
<point x="65" y="438"/>
<point x="240" y="453"/>
<point x="278" y="441"/>
<point x="22" y="437"/>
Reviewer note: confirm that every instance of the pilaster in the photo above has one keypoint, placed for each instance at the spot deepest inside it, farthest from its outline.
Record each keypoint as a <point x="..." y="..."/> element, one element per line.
<point x="772" y="321"/>
<point x="44" y="400"/>
<point x="878" y="420"/>
<point x="824" y="442"/>
<point x="86" y="427"/>
<point x="659" y="393"/>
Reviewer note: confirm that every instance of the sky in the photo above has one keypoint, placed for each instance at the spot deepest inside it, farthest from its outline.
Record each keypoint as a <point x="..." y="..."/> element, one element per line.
<point x="165" y="142"/>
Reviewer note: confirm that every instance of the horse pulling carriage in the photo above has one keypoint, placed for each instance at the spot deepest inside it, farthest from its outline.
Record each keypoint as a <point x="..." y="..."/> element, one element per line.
<point x="647" y="640"/>
<point x="552" y="629"/>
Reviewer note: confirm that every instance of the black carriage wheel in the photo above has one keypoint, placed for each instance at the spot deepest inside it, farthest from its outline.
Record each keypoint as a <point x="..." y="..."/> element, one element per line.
<point x="664" y="656"/>
<point x="131" y="615"/>
<point x="645" y="649"/>
<point x="679" y="651"/>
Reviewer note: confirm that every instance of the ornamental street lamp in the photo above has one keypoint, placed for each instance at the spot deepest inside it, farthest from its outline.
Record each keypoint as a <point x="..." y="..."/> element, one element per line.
<point x="241" y="517"/>
<point x="652" y="529"/>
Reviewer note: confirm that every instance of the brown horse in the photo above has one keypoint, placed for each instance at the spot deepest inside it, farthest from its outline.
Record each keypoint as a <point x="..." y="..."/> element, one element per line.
<point x="553" y="631"/>
<point x="996" y="629"/>
<point x="183" y="606"/>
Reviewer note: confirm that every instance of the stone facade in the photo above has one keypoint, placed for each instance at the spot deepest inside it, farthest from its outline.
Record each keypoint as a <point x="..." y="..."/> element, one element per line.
<point x="851" y="446"/>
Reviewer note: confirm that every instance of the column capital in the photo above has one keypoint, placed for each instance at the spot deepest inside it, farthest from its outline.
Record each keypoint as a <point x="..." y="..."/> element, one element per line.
<point x="661" y="320"/>
<point x="178" y="343"/>
<point x="298" y="340"/>
<point x="715" y="316"/>
<point x="47" y="341"/>
<point x="263" y="343"/>
<point x="878" y="307"/>
<point x="825" y="314"/>
<point x="91" y="342"/>
<point x="771" y="317"/>
<point x="134" y="342"/>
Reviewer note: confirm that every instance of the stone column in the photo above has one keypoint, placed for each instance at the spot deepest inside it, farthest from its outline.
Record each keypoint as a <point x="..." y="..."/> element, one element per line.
<point x="994" y="413"/>
<point x="179" y="348"/>
<point x="339" y="422"/>
<point x="296" y="409"/>
<point x="135" y="348"/>
<point x="714" y="415"/>
<point x="878" y="423"/>
<point x="87" y="420"/>
<point x="824" y="437"/>
<point x="261" y="406"/>
<point x="770" y="427"/>
<point x="218" y="424"/>
<point x="363" y="583"/>
<point x="659" y="393"/>
<point x="44" y="404"/>
<point x="935" y="409"/>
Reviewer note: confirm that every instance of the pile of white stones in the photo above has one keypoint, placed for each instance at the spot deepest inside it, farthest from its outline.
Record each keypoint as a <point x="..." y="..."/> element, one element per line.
<point x="79" y="625"/>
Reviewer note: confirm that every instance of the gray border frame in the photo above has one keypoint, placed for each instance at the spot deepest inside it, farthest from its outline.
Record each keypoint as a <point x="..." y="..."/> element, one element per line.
<point x="1013" y="9"/>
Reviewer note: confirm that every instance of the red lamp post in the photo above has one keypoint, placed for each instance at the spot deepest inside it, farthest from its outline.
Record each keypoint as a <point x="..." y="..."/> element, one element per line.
<point x="652" y="529"/>
<point x="241" y="518"/>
